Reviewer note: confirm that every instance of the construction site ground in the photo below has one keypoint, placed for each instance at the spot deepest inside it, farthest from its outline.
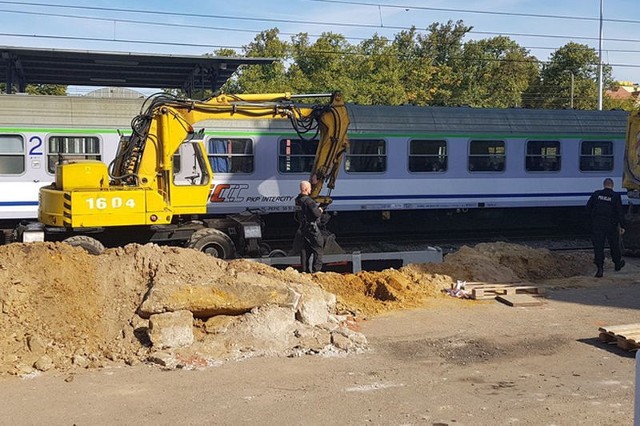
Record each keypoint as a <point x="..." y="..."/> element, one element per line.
<point x="431" y="358"/>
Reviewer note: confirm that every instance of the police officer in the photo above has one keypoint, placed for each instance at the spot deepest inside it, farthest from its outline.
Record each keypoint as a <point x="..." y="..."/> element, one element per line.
<point x="308" y="216"/>
<point x="607" y="223"/>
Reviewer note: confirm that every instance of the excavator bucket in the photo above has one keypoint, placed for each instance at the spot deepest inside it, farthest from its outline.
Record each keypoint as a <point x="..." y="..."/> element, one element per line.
<point x="330" y="245"/>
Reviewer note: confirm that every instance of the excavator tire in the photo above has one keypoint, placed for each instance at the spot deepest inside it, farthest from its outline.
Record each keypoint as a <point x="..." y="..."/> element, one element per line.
<point x="213" y="242"/>
<point x="91" y="245"/>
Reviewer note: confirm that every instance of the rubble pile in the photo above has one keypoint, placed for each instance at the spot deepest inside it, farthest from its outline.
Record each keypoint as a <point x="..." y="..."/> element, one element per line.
<point x="61" y="308"/>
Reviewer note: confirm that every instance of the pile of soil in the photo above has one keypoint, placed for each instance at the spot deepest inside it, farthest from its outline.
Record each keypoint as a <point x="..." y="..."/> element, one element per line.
<point x="61" y="307"/>
<point x="367" y="294"/>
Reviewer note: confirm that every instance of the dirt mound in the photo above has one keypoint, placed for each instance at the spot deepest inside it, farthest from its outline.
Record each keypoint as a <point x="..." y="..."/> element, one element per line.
<point x="60" y="307"/>
<point x="367" y="294"/>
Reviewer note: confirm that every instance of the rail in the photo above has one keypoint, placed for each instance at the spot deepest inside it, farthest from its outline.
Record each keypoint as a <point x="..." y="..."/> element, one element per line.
<point x="363" y="261"/>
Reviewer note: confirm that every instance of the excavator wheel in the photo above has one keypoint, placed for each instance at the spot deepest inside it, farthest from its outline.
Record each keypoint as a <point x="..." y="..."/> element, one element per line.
<point x="213" y="242"/>
<point x="91" y="245"/>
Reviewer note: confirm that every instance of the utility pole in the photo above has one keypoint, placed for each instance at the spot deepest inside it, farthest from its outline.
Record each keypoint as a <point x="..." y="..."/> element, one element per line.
<point x="572" y="81"/>
<point x="572" y="84"/>
<point x="600" y="88"/>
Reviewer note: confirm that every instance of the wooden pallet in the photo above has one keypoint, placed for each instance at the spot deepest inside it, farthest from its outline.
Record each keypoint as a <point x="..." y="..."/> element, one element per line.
<point x="519" y="300"/>
<point x="626" y="337"/>
<point x="484" y="291"/>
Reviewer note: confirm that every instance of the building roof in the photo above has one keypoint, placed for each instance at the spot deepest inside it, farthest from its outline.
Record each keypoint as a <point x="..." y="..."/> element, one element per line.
<point x="23" y="66"/>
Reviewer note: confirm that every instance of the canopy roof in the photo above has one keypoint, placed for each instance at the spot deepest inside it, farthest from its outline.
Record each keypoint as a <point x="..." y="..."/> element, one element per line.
<point x="23" y="66"/>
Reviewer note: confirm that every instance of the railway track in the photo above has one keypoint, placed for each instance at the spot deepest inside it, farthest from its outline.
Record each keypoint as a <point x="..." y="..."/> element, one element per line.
<point x="450" y="243"/>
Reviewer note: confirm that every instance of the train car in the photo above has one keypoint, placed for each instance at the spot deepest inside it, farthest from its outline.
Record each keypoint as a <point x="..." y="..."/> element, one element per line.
<point x="407" y="168"/>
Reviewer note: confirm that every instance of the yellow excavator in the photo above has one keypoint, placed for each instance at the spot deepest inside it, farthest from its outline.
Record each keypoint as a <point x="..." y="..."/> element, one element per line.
<point x="631" y="182"/>
<point x="144" y="195"/>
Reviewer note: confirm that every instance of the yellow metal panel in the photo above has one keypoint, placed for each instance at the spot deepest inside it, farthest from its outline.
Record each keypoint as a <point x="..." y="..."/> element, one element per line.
<point x="157" y="206"/>
<point x="82" y="174"/>
<point x="51" y="207"/>
<point x="189" y="199"/>
<point x="107" y="208"/>
<point x="121" y="207"/>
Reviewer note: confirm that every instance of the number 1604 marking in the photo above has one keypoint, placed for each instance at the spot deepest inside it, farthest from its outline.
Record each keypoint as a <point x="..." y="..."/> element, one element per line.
<point x="114" y="203"/>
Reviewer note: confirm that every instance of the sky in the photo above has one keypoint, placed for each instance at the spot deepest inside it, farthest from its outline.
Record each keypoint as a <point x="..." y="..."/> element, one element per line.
<point x="198" y="27"/>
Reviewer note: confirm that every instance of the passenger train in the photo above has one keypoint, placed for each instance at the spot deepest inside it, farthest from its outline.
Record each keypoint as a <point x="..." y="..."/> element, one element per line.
<point x="409" y="166"/>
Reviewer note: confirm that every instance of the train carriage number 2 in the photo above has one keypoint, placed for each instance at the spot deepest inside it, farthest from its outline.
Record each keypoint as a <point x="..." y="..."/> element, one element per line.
<point x="37" y="148"/>
<point x="116" y="203"/>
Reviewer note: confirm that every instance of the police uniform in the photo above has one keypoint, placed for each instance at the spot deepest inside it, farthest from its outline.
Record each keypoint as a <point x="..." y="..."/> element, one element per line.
<point x="607" y="213"/>
<point x="308" y="216"/>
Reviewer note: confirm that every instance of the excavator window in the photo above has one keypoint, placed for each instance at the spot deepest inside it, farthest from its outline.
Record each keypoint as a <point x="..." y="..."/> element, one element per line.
<point x="193" y="170"/>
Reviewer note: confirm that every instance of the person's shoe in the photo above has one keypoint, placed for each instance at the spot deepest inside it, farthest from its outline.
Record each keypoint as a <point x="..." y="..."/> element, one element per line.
<point x="620" y="265"/>
<point x="599" y="272"/>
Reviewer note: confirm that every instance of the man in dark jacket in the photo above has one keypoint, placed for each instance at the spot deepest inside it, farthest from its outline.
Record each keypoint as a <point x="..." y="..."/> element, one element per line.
<point x="607" y="223"/>
<point x="308" y="216"/>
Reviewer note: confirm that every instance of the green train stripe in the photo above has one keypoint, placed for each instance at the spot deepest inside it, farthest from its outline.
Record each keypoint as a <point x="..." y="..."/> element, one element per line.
<point x="353" y="135"/>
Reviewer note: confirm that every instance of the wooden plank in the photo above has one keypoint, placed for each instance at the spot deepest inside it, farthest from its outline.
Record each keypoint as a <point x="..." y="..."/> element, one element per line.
<point x="492" y="285"/>
<point x="490" y="291"/>
<point x="606" y="337"/>
<point x="625" y="336"/>
<point x="519" y="300"/>
<point x="620" y="328"/>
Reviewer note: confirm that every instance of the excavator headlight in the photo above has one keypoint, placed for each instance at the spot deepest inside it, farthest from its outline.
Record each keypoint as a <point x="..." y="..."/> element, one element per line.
<point x="153" y="218"/>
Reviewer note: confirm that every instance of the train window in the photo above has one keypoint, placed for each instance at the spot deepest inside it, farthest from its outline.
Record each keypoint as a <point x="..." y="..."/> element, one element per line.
<point x="543" y="156"/>
<point x="12" y="158"/>
<point x="229" y="155"/>
<point x="72" y="148"/>
<point x="486" y="156"/>
<point x="366" y="155"/>
<point x="296" y="155"/>
<point x="427" y="156"/>
<point x="596" y="156"/>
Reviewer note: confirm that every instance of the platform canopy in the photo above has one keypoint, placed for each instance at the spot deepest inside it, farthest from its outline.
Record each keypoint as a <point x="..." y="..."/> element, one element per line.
<point x="22" y="66"/>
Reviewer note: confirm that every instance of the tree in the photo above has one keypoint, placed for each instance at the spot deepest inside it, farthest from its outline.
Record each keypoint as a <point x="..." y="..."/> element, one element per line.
<point x="39" y="89"/>
<point x="264" y="78"/>
<point x="376" y="72"/>
<point x="553" y="87"/>
<point x="443" y="46"/>
<point x="496" y="73"/>
<point x="416" y="68"/>
<point x="324" y="63"/>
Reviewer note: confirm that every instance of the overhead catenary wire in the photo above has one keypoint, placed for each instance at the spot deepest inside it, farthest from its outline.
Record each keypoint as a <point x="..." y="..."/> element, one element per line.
<point x="348" y="24"/>
<point x="320" y="23"/>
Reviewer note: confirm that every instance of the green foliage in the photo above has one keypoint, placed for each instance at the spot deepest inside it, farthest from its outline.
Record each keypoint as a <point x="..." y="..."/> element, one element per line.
<point x="39" y="89"/>
<point x="265" y="78"/>
<point x="552" y="88"/>
<point x="497" y="72"/>
<point x="436" y="67"/>
<point x="628" y="104"/>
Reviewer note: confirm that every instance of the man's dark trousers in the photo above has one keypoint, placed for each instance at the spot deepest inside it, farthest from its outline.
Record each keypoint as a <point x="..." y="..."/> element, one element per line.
<point x="602" y="233"/>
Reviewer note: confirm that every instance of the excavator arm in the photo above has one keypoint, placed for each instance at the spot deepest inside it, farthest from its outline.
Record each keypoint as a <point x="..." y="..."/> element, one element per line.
<point x="326" y="122"/>
<point x="333" y="120"/>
